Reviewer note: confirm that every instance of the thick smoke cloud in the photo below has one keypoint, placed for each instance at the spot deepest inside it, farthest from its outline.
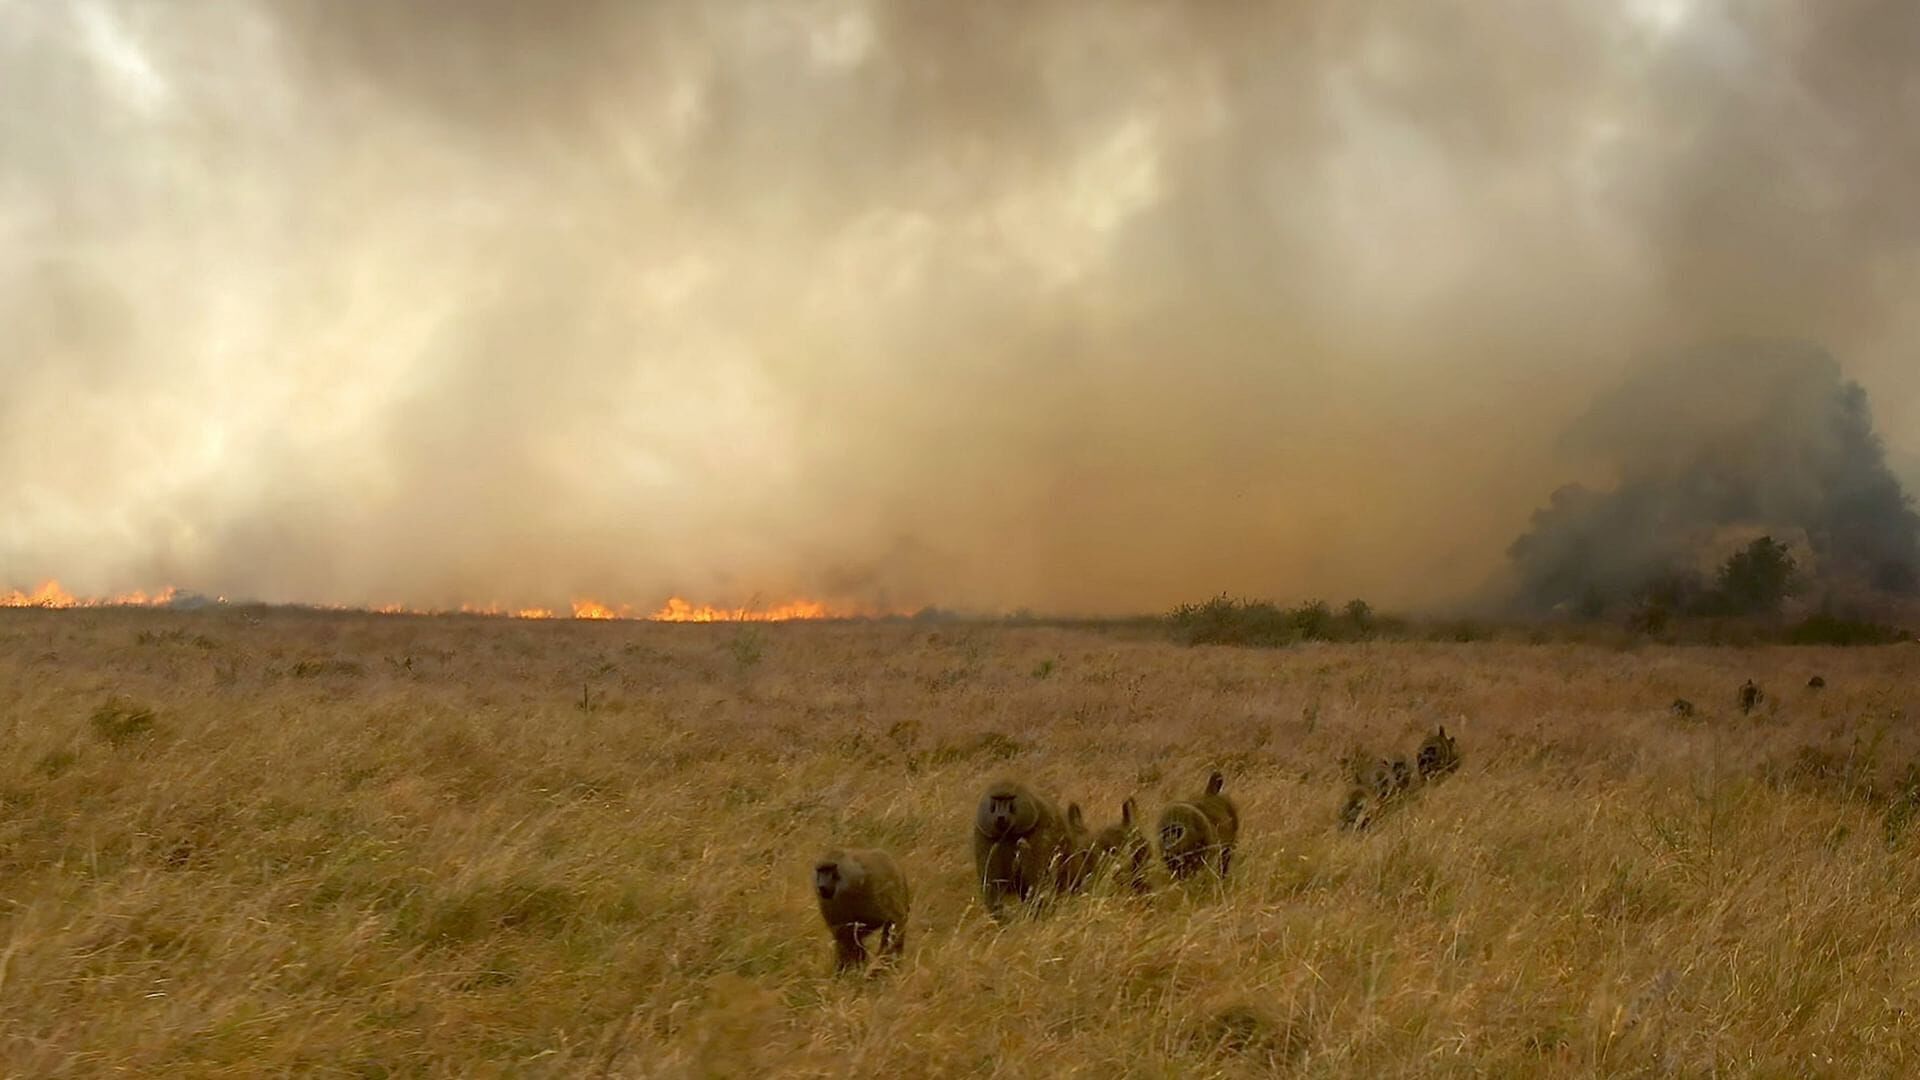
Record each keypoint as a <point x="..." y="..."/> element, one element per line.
<point x="984" y="305"/>
<point x="1739" y="439"/>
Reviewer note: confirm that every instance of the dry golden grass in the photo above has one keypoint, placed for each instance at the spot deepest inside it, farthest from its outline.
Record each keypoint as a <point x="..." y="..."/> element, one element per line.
<point x="386" y="846"/>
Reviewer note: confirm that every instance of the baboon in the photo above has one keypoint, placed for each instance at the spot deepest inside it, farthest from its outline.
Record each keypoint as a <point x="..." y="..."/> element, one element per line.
<point x="1358" y="810"/>
<point x="1022" y="846"/>
<point x="1750" y="696"/>
<point x="1077" y="868"/>
<point x="1439" y="755"/>
<point x="1376" y="783"/>
<point x="1681" y="707"/>
<point x="861" y="891"/>
<point x="1402" y="774"/>
<point x="1817" y="683"/>
<point x="1118" y="849"/>
<point x="1200" y="833"/>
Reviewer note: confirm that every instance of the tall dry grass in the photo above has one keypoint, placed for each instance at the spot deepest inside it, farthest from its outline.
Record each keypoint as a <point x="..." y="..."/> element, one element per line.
<point x="372" y="846"/>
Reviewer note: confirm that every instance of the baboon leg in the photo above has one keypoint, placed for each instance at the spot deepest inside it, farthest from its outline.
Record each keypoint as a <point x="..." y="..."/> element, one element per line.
<point x="849" y="951"/>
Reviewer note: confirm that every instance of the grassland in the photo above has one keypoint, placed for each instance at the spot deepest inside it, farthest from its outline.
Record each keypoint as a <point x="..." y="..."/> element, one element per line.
<point x="355" y="845"/>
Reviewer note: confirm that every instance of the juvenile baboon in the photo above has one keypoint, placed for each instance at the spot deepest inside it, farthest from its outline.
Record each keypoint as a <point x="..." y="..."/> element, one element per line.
<point x="1817" y="683"/>
<point x="1120" y="850"/>
<point x="1200" y="833"/>
<point x="861" y="891"/>
<point x="1750" y="696"/>
<point x="1376" y="783"/>
<point x="1401" y="774"/>
<point x="1681" y="707"/>
<point x="1439" y="755"/>
<point x="1022" y="846"/>
<point x="1077" y="868"/>
<point x="1357" y="810"/>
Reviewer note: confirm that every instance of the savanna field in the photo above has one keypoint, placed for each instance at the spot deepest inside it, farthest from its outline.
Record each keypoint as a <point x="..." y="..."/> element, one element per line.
<point x="235" y="844"/>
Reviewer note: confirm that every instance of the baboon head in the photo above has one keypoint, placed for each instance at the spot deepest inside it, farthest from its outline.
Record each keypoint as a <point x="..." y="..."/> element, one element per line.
<point x="1007" y="811"/>
<point x="834" y="874"/>
<point x="1439" y="755"/>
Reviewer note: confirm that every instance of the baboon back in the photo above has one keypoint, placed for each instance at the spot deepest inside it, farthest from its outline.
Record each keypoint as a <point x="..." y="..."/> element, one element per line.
<point x="1438" y="756"/>
<point x="1120" y="849"/>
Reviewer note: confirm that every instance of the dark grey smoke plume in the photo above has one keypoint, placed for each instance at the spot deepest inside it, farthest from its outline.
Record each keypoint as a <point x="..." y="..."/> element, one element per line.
<point x="1083" y="307"/>
<point x="1740" y="438"/>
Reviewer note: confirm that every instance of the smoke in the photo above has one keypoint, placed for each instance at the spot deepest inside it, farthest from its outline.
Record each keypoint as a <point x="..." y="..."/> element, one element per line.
<point x="983" y="305"/>
<point x="1741" y="438"/>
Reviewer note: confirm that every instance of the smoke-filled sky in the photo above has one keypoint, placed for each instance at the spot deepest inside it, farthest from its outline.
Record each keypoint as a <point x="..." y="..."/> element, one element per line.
<point x="1078" y="307"/>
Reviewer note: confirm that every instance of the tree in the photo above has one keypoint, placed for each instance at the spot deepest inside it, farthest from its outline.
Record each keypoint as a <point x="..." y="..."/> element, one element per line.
<point x="1756" y="579"/>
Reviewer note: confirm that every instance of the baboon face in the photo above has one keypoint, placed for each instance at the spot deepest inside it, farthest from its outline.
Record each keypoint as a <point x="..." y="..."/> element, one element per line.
<point x="826" y="880"/>
<point x="832" y="876"/>
<point x="1005" y="812"/>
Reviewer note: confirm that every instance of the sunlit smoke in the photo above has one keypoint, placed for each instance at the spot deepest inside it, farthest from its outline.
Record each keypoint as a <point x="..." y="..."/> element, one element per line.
<point x="1082" y="308"/>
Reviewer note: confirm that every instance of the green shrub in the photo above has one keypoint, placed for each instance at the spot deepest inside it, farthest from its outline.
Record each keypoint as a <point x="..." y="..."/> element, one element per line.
<point x="1756" y="579"/>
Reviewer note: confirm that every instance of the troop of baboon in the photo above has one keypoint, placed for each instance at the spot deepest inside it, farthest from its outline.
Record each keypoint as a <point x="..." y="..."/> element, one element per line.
<point x="1027" y="852"/>
<point x="1380" y="783"/>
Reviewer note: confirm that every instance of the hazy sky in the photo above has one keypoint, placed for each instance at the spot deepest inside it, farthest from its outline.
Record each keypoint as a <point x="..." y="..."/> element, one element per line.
<point x="1079" y="307"/>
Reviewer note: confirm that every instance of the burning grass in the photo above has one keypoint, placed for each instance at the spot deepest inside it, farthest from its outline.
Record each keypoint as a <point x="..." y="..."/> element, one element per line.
<point x="445" y="865"/>
<point x="50" y="595"/>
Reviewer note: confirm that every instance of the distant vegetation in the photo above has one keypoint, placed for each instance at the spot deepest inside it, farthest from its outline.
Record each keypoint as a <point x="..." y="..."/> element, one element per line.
<point x="1741" y="606"/>
<point x="1224" y="620"/>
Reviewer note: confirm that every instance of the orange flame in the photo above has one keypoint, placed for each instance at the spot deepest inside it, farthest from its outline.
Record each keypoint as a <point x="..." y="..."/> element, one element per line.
<point x="49" y="594"/>
<point x="679" y="610"/>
